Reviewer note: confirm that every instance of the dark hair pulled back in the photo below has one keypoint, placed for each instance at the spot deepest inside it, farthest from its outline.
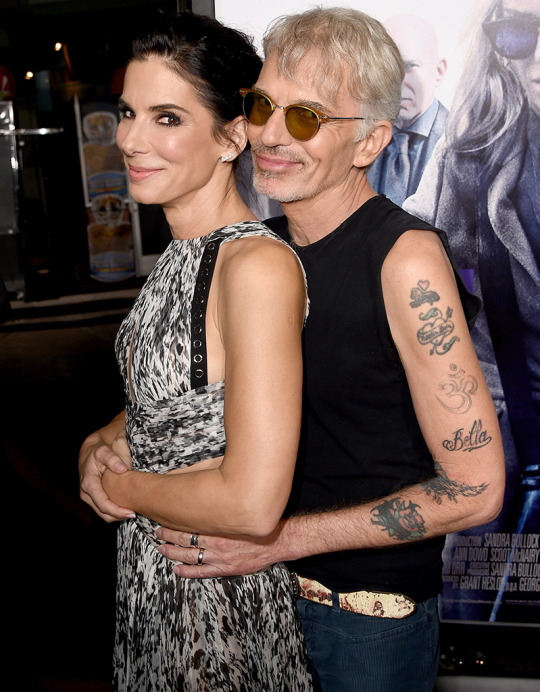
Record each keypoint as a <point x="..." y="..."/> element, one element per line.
<point x="215" y="59"/>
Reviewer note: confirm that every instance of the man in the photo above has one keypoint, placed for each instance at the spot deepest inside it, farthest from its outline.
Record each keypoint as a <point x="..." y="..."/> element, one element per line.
<point x="400" y="442"/>
<point x="422" y="118"/>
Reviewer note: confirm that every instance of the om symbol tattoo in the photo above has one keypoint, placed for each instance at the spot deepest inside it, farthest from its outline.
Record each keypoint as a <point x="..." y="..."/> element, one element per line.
<point x="401" y="520"/>
<point x="458" y="390"/>
<point x="437" y="326"/>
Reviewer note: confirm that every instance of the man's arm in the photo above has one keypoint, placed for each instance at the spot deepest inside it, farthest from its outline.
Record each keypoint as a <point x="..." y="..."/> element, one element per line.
<point x="455" y="413"/>
<point x="451" y="399"/>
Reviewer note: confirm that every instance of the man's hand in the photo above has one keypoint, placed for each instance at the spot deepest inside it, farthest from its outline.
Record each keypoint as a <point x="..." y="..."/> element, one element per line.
<point x="106" y="449"/>
<point x="221" y="557"/>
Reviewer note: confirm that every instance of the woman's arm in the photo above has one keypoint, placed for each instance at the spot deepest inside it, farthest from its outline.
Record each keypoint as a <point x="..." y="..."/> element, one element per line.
<point x="259" y="315"/>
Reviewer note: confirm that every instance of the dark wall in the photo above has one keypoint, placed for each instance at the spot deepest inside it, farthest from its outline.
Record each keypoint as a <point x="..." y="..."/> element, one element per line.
<point x="96" y="35"/>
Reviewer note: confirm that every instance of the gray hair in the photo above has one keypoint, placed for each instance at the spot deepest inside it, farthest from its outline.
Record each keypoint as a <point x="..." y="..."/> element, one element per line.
<point x="488" y="98"/>
<point x="340" y="35"/>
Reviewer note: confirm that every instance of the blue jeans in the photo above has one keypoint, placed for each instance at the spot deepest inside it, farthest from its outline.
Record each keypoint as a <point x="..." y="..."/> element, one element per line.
<point x="360" y="653"/>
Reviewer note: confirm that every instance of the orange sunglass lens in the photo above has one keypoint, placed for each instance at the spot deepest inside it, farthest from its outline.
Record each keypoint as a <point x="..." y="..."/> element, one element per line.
<point x="302" y="123"/>
<point x="257" y="108"/>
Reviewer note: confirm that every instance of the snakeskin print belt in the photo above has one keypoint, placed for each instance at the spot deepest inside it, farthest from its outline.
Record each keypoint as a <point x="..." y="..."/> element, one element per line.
<point x="374" y="603"/>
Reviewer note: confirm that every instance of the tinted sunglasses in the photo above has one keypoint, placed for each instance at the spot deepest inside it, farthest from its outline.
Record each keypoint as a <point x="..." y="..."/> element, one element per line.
<point x="513" y="37"/>
<point x="301" y="122"/>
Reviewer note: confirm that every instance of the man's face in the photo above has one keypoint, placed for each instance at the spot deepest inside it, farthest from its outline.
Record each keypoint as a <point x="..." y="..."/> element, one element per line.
<point x="527" y="70"/>
<point x="424" y="70"/>
<point x="289" y="170"/>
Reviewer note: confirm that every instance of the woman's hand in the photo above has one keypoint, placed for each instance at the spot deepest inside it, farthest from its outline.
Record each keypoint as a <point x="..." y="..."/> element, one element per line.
<point x="120" y="447"/>
<point x="104" y="450"/>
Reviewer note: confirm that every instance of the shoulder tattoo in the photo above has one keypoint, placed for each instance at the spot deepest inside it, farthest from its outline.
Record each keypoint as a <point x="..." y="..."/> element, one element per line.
<point x="438" y="327"/>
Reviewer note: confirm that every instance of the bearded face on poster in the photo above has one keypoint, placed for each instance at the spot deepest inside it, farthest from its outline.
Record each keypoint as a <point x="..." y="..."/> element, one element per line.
<point x="482" y="187"/>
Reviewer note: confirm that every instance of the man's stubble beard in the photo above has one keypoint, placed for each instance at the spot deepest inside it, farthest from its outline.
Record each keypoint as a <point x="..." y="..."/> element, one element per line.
<point x="258" y="183"/>
<point x="260" y="177"/>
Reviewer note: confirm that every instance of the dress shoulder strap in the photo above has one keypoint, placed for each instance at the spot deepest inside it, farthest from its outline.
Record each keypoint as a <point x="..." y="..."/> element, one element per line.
<point x="199" y="363"/>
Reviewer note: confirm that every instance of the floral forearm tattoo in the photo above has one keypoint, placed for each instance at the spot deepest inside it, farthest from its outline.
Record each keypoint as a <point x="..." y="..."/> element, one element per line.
<point x="438" y="327"/>
<point x="400" y="519"/>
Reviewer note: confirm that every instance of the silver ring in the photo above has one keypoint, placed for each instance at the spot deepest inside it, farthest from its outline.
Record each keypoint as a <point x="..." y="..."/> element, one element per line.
<point x="200" y="556"/>
<point x="194" y="539"/>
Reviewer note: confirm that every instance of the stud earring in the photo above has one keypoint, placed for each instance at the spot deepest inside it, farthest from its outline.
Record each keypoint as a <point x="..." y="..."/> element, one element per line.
<point x="228" y="157"/>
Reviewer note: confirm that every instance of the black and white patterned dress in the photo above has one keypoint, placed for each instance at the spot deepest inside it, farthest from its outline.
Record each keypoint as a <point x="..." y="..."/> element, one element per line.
<point x="205" y="635"/>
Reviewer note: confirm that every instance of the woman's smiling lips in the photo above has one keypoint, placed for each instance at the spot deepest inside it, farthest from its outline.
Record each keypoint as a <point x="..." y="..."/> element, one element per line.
<point x="137" y="173"/>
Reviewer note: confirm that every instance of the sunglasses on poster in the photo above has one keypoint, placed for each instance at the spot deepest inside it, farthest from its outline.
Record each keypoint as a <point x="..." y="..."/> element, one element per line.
<point x="301" y="122"/>
<point x="514" y="38"/>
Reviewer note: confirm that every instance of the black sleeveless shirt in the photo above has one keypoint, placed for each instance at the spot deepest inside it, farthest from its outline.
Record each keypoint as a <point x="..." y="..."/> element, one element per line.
<point x="360" y="438"/>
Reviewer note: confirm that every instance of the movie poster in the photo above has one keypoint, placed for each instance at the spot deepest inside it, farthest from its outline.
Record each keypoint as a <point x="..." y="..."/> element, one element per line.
<point x="470" y="122"/>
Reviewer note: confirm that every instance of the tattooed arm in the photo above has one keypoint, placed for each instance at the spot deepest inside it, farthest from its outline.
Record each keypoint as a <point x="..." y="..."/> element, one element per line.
<point x="456" y="416"/>
<point x="451" y="399"/>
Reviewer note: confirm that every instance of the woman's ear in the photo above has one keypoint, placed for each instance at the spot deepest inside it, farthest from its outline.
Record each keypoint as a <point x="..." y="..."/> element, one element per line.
<point x="371" y="146"/>
<point x="237" y="133"/>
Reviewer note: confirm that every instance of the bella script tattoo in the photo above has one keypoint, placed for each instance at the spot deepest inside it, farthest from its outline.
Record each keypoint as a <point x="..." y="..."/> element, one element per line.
<point x="475" y="438"/>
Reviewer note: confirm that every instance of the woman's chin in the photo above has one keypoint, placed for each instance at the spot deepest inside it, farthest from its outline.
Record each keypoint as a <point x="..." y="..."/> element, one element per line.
<point x="139" y="196"/>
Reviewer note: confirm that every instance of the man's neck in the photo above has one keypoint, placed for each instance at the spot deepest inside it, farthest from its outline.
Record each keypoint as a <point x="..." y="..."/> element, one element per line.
<point x="311" y="219"/>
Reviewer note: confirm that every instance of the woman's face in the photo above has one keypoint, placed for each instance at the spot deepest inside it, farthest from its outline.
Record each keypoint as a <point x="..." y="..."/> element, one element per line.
<point x="166" y="136"/>
<point x="527" y="70"/>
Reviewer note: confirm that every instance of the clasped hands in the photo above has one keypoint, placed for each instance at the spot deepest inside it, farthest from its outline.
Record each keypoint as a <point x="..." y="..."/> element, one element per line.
<point x="222" y="556"/>
<point x="97" y="457"/>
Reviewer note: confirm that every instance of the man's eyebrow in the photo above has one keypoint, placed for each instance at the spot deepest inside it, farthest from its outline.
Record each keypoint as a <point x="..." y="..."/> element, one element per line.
<point x="300" y="102"/>
<point x="258" y="88"/>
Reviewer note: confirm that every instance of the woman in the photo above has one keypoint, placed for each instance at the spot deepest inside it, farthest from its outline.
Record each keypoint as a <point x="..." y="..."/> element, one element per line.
<point x="211" y="351"/>
<point x="481" y="186"/>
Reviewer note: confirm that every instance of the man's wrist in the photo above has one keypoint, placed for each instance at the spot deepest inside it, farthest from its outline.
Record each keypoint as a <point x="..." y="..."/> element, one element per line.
<point x="287" y="545"/>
